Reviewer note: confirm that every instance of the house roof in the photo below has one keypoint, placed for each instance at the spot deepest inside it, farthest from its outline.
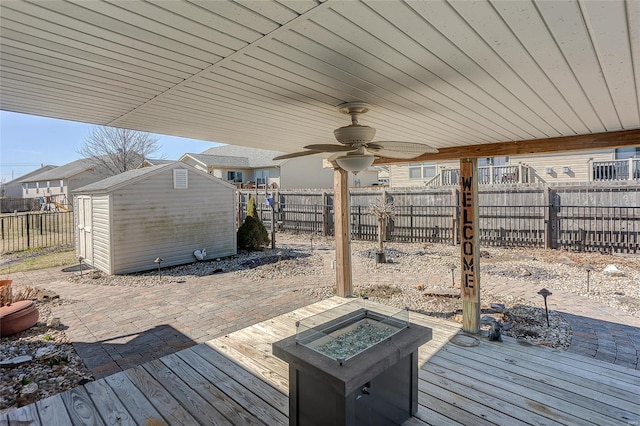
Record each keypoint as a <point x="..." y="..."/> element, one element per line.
<point x="25" y="176"/>
<point x="62" y="172"/>
<point x="455" y="75"/>
<point x="220" y="161"/>
<point x="156" y="161"/>
<point x="242" y="157"/>
<point x="134" y="175"/>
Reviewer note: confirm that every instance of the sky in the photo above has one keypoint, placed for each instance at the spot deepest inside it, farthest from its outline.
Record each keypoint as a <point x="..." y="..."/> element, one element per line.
<point x="27" y="141"/>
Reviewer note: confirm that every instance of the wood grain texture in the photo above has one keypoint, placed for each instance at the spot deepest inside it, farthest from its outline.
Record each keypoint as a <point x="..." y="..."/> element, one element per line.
<point x="586" y="142"/>
<point x="26" y="416"/>
<point x="172" y="411"/>
<point x="53" y="412"/>
<point x="112" y="411"/>
<point x="343" y="238"/>
<point x="230" y="409"/>
<point x="132" y="398"/>
<point x="196" y="405"/>
<point x="80" y="407"/>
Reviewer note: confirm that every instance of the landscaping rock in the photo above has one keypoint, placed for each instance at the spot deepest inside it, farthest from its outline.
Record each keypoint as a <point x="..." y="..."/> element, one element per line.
<point x="613" y="271"/>
<point x="12" y="362"/>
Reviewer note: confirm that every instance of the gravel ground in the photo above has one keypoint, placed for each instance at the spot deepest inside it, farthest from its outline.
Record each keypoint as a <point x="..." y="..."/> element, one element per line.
<point x="55" y="367"/>
<point x="413" y="271"/>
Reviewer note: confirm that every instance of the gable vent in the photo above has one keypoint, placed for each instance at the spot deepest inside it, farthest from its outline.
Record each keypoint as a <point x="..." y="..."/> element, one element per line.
<point x="180" y="179"/>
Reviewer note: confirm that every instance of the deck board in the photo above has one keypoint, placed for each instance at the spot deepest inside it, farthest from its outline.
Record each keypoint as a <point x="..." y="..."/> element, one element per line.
<point x="235" y="379"/>
<point x="138" y="406"/>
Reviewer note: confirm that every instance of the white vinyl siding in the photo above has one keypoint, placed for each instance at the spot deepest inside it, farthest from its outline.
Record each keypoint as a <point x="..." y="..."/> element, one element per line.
<point x="136" y="222"/>
<point x="101" y="232"/>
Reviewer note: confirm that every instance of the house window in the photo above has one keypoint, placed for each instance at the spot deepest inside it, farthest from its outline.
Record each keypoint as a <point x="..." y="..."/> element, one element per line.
<point x="180" y="179"/>
<point x="26" y="188"/>
<point x="61" y="183"/>
<point x="37" y="187"/>
<point x="626" y="153"/>
<point x="422" y="171"/>
<point x="493" y="161"/>
<point x="235" y="177"/>
<point x="262" y="176"/>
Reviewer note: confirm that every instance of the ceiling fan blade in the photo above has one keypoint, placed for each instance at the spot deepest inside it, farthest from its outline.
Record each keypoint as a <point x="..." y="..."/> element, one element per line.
<point x="327" y="147"/>
<point x="399" y="150"/>
<point x="296" y="154"/>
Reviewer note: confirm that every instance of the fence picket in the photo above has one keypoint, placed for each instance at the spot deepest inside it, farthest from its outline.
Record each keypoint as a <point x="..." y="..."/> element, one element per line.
<point x="35" y="230"/>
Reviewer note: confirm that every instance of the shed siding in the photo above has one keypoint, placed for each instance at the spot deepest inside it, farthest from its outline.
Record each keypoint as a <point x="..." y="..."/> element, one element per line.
<point x="101" y="233"/>
<point x="151" y="219"/>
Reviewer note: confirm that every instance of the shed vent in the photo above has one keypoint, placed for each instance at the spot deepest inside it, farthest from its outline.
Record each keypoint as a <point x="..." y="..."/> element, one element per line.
<point x="180" y="179"/>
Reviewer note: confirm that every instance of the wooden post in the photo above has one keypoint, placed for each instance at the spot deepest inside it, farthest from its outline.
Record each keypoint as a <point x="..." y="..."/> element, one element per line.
<point x="342" y="232"/>
<point x="469" y="247"/>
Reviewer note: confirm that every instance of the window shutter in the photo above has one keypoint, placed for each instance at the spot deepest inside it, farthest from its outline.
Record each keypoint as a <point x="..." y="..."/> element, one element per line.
<point x="180" y="179"/>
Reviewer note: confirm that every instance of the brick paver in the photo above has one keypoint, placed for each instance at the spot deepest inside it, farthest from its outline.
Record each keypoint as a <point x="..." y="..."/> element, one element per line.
<point x="115" y="328"/>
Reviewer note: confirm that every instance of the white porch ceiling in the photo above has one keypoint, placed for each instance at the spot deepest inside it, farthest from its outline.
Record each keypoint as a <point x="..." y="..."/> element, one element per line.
<point x="269" y="74"/>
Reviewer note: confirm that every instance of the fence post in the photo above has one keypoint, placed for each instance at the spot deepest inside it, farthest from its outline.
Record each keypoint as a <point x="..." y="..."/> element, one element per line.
<point x="28" y="236"/>
<point x="454" y="215"/>
<point x="549" y="219"/>
<point x="325" y="214"/>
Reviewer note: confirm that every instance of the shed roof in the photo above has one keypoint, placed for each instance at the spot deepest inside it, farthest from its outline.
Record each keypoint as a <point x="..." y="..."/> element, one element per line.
<point x="129" y="177"/>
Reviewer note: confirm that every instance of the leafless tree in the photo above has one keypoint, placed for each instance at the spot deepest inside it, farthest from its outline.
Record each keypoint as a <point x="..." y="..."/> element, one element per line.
<point x="382" y="210"/>
<point x="114" y="150"/>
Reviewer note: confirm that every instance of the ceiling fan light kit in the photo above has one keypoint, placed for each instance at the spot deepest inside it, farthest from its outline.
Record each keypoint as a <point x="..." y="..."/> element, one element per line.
<point x="356" y="140"/>
<point x="355" y="163"/>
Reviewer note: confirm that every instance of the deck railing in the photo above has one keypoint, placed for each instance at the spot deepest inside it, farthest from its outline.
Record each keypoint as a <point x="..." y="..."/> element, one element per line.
<point x="490" y="175"/>
<point x="615" y="170"/>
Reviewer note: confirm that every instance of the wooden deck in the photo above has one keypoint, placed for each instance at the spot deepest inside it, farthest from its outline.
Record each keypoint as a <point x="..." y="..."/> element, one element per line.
<point x="236" y="380"/>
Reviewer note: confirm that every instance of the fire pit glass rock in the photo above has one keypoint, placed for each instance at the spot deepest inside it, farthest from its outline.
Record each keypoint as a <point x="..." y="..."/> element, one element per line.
<point x="341" y="336"/>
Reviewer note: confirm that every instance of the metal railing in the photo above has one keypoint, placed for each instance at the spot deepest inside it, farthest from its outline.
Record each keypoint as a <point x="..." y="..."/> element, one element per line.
<point x="25" y="231"/>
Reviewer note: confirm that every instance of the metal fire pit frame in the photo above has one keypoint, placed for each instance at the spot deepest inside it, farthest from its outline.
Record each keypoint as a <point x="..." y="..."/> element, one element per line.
<point x="378" y="386"/>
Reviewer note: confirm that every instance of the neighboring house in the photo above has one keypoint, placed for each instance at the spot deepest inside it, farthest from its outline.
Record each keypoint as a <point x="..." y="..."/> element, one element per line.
<point x="13" y="188"/>
<point x="587" y="166"/>
<point x="56" y="185"/>
<point x="154" y="162"/>
<point x="125" y="222"/>
<point x="252" y="167"/>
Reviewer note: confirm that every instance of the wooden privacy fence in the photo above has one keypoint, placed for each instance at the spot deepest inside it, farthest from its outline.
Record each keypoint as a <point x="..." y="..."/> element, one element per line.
<point x="603" y="219"/>
<point x="25" y="231"/>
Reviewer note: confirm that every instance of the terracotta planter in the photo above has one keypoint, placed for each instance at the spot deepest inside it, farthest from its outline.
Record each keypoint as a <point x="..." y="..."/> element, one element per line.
<point x="18" y="317"/>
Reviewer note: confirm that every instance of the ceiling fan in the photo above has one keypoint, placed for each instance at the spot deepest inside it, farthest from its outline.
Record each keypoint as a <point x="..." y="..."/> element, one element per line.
<point x="358" y="150"/>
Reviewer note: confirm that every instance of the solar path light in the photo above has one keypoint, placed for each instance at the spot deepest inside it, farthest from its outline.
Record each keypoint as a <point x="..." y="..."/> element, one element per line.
<point x="545" y="293"/>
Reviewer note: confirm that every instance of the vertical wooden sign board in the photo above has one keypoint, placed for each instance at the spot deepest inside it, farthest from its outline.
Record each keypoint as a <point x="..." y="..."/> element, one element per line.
<point x="469" y="247"/>
<point x="342" y="232"/>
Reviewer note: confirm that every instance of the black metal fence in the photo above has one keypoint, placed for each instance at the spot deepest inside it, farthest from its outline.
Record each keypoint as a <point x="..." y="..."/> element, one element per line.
<point x="25" y="231"/>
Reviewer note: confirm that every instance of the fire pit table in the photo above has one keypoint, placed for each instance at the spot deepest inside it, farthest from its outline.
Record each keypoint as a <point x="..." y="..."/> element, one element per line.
<point x="356" y="364"/>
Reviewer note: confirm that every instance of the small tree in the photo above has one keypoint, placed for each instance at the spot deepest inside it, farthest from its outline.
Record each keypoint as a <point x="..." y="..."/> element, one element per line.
<point x="382" y="210"/>
<point x="114" y="150"/>
<point x="252" y="235"/>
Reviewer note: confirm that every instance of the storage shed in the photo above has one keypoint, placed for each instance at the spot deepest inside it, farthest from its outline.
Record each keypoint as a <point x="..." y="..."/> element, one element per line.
<point x="123" y="223"/>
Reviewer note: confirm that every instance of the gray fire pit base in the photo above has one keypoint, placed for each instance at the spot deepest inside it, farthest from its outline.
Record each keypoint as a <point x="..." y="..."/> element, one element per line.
<point x="377" y="387"/>
<point x="388" y="399"/>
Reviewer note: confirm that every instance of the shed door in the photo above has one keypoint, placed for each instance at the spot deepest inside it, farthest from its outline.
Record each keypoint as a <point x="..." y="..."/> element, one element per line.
<point x="85" y="245"/>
